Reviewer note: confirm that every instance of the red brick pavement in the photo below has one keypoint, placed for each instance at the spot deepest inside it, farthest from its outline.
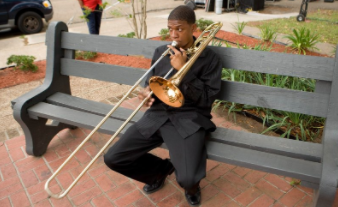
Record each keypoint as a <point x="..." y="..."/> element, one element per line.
<point x="22" y="179"/>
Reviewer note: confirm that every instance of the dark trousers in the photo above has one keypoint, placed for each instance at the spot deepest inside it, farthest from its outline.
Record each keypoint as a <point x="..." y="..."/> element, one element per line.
<point x="129" y="156"/>
<point x="94" y="21"/>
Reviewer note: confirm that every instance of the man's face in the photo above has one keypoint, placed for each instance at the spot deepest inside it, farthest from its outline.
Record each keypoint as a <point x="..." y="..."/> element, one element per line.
<point x="181" y="32"/>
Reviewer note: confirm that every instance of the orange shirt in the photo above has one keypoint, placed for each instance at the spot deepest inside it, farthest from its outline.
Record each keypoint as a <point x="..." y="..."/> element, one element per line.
<point x="91" y="3"/>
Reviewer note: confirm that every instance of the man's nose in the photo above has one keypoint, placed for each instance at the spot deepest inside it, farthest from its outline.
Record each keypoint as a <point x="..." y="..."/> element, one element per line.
<point x="174" y="34"/>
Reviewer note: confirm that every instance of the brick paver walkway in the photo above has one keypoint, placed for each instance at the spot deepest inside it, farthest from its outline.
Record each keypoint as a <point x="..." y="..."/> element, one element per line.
<point x="23" y="178"/>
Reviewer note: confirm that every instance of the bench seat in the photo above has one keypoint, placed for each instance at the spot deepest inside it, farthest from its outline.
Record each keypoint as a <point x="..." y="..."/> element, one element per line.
<point x="272" y="154"/>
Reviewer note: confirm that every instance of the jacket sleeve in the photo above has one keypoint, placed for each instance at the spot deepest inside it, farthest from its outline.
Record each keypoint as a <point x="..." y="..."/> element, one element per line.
<point x="202" y="90"/>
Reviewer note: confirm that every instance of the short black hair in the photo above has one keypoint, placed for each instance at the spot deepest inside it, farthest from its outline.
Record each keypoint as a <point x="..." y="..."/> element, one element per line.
<point x="183" y="13"/>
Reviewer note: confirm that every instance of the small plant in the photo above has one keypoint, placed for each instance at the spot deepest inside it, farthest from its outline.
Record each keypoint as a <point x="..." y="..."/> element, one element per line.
<point x="86" y="13"/>
<point x="128" y="35"/>
<point x="86" y="55"/>
<point x="23" y="62"/>
<point x="303" y="40"/>
<point x="239" y="27"/>
<point x="202" y="24"/>
<point x="164" y="33"/>
<point x="103" y="6"/>
<point x="268" y="34"/>
<point x="295" y="182"/>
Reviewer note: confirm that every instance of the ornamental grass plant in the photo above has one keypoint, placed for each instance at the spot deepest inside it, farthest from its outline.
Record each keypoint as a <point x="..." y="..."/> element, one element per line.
<point x="303" y="40"/>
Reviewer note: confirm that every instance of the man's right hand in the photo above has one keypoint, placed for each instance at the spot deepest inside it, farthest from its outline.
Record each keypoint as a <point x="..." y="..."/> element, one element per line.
<point x="144" y="94"/>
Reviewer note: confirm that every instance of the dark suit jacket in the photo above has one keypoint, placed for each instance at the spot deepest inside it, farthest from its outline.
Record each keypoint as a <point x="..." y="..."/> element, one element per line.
<point x="199" y="87"/>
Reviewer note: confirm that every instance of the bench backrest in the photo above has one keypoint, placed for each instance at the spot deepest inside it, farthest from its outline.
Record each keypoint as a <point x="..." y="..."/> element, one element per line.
<point x="318" y="68"/>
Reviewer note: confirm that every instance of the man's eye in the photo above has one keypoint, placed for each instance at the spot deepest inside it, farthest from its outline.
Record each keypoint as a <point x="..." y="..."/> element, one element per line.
<point x="180" y="30"/>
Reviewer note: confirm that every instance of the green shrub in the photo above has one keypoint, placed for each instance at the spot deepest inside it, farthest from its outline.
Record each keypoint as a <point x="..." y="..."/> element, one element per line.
<point x="164" y="33"/>
<point x="303" y="40"/>
<point x="202" y="24"/>
<point x="23" y="62"/>
<point x="85" y="54"/>
<point x="128" y="35"/>
<point x="267" y="33"/>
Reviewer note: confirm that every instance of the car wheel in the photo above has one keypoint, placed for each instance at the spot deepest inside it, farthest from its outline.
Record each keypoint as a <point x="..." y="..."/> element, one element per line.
<point x="30" y="22"/>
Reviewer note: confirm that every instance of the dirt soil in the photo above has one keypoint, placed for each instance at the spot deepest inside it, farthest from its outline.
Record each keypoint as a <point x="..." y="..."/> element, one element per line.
<point x="11" y="76"/>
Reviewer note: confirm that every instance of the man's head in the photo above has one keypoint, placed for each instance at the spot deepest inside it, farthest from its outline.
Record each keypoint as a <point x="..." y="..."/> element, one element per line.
<point x="181" y="25"/>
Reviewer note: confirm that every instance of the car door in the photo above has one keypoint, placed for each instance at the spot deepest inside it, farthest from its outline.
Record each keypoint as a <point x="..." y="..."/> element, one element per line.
<point x="3" y="12"/>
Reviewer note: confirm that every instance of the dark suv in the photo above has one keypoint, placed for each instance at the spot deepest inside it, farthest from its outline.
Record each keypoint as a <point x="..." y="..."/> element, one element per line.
<point x="27" y="15"/>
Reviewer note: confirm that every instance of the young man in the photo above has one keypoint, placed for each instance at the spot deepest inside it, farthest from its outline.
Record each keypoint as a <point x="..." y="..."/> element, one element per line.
<point x="94" y="18"/>
<point x="182" y="129"/>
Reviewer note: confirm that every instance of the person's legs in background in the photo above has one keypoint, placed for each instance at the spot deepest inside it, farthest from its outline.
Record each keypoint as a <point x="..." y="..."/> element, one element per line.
<point x="94" y="21"/>
<point x="98" y="16"/>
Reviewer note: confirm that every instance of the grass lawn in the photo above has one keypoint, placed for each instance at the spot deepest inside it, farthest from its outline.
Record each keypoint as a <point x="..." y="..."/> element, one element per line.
<point x="322" y="22"/>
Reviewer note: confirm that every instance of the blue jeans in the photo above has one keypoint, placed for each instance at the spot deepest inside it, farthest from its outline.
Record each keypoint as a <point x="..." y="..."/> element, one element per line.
<point x="94" y="22"/>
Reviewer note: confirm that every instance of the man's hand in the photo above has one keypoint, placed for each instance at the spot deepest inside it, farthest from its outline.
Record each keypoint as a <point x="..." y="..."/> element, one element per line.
<point x="178" y="58"/>
<point x="143" y="94"/>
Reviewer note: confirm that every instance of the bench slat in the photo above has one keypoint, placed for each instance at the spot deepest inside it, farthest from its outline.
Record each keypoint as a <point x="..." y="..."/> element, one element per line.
<point x="275" y="98"/>
<point x="110" y="44"/>
<point x="99" y="71"/>
<point x="277" y="164"/>
<point x="74" y="118"/>
<point x="93" y="107"/>
<point x="319" y="68"/>
<point x="291" y="148"/>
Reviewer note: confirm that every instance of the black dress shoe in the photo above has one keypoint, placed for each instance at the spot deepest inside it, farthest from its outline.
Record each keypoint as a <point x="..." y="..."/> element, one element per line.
<point x="154" y="187"/>
<point x="194" y="199"/>
<point x="151" y="188"/>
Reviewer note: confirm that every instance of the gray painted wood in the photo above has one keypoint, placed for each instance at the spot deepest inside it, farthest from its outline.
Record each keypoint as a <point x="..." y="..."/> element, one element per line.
<point x="257" y="95"/>
<point x="323" y="87"/>
<point x="74" y="117"/>
<point x="54" y="82"/>
<point x="275" y="98"/>
<point x="275" y="145"/>
<point x="319" y="68"/>
<point x="329" y="174"/>
<point x="110" y="44"/>
<point x="100" y="71"/>
<point x="277" y="164"/>
<point x="93" y="107"/>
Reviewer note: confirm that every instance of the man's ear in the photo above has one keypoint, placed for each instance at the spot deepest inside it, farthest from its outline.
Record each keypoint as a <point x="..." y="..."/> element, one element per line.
<point x="194" y="27"/>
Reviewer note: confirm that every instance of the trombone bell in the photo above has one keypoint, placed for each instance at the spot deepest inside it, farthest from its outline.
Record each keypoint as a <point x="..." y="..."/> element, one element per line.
<point x="166" y="91"/>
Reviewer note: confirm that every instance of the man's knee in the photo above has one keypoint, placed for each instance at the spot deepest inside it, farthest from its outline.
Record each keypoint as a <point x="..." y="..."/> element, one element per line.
<point x="111" y="161"/>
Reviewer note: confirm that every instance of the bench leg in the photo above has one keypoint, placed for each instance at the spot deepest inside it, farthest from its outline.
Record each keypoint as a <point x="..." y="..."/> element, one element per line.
<point x="324" y="196"/>
<point x="38" y="135"/>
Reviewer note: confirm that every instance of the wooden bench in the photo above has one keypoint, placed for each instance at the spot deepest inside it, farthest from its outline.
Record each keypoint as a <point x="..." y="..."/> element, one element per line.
<point x="316" y="165"/>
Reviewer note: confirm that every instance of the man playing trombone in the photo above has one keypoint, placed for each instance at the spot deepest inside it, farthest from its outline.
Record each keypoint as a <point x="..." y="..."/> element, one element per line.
<point x="182" y="129"/>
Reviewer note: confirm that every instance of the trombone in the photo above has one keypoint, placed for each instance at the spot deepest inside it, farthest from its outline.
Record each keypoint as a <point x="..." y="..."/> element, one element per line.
<point x="166" y="90"/>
